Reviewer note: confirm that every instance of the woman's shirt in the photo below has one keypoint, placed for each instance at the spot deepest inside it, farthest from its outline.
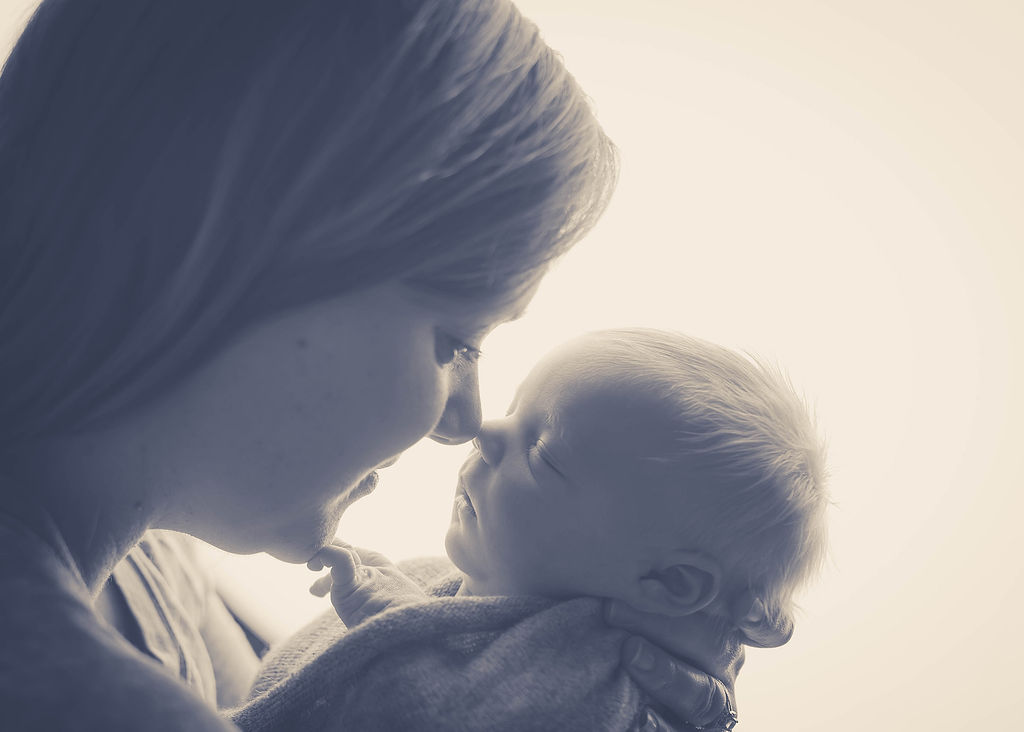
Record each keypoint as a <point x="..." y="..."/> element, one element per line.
<point x="169" y="596"/>
<point x="62" y="666"/>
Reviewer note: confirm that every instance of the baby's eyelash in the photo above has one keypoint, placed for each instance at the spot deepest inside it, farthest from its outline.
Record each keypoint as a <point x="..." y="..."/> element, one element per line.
<point x="539" y="449"/>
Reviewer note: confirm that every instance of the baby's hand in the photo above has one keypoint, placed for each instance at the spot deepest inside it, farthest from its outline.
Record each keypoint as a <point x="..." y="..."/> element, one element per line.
<point x="362" y="582"/>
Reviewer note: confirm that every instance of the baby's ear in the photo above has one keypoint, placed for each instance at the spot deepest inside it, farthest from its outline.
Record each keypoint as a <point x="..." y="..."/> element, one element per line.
<point x="683" y="583"/>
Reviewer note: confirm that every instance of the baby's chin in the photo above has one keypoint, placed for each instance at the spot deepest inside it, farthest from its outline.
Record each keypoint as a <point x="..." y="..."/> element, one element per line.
<point x="482" y="581"/>
<point x="457" y="553"/>
<point x="451" y="548"/>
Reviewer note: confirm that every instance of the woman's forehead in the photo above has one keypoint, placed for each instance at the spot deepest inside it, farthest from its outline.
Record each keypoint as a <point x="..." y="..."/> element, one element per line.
<point x="473" y="315"/>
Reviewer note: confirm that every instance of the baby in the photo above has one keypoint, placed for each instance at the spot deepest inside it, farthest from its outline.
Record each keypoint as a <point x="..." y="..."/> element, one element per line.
<point x="634" y="464"/>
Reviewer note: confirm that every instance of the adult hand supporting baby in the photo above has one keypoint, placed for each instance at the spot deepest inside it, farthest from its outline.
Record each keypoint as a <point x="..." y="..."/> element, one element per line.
<point x="691" y="696"/>
<point x="693" y="693"/>
<point x="362" y="582"/>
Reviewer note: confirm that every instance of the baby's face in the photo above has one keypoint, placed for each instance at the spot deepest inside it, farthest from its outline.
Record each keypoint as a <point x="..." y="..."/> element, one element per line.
<point x="557" y="499"/>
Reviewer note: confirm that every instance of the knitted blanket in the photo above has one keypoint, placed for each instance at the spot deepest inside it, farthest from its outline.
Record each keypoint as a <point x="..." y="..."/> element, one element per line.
<point x="450" y="663"/>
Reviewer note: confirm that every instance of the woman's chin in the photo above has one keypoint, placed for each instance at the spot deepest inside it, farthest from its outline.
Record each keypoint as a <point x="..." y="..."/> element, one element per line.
<point x="298" y="544"/>
<point x="294" y="555"/>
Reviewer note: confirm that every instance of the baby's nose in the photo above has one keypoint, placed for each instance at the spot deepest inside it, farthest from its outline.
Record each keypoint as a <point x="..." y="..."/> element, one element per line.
<point x="490" y="444"/>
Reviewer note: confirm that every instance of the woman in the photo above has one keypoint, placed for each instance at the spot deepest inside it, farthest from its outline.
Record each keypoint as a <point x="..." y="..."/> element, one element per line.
<point x="249" y="253"/>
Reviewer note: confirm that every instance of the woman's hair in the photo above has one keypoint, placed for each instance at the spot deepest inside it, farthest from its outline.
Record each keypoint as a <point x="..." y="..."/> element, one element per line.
<point x="746" y="454"/>
<point x="176" y="170"/>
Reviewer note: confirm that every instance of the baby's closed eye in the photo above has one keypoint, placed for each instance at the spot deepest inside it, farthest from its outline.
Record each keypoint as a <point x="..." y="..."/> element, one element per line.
<point x="539" y="456"/>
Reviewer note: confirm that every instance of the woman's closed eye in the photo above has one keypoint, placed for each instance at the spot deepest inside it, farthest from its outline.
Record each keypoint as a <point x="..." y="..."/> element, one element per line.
<point x="448" y="349"/>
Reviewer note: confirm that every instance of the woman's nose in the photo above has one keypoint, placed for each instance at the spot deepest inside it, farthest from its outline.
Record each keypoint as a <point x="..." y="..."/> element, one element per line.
<point x="461" y="418"/>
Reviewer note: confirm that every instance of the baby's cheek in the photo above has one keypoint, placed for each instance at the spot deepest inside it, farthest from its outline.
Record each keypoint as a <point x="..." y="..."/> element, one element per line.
<point x="527" y="532"/>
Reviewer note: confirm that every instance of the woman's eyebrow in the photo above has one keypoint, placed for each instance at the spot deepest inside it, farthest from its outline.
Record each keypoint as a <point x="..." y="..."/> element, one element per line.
<point x="518" y="314"/>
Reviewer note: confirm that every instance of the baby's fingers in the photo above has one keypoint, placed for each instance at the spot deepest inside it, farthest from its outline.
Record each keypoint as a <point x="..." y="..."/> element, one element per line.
<point x="332" y="555"/>
<point x="316" y="563"/>
<point x="322" y="586"/>
<point x="343" y="563"/>
<point x="370" y="558"/>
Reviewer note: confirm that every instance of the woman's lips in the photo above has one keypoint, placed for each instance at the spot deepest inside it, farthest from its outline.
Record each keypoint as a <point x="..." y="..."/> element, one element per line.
<point x="364" y="487"/>
<point x="368" y="484"/>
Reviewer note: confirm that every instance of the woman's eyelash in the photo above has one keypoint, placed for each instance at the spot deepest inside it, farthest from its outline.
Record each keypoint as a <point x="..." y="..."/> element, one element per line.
<point x="449" y="348"/>
<point x="470" y="353"/>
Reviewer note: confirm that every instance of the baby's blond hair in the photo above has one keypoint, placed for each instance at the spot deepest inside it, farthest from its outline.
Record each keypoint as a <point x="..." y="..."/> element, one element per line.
<point x="747" y="450"/>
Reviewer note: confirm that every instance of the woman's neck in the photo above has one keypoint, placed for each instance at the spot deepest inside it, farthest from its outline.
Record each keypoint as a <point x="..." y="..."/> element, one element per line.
<point x="90" y="523"/>
<point x="85" y="537"/>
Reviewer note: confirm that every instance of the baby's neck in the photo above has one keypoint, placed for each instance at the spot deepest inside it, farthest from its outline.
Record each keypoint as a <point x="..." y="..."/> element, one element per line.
<point x="471" y="587"/>
<point x="718" y="609"/>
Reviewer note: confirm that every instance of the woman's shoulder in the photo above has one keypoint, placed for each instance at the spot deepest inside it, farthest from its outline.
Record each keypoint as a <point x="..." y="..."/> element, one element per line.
<point x="61" y="667"/>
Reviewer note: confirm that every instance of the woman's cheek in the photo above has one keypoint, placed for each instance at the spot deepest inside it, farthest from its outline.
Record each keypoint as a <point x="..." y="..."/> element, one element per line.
<point x="421" y="395"/>
<point x="437" y="401"/>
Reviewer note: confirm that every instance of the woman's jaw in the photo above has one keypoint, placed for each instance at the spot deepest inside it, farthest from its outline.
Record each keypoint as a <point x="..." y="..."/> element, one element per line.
<point x="265" y="445"/>
<point x="363" y="488"/>
<point x="367" y="485"/>
<point x="297" y="541"/>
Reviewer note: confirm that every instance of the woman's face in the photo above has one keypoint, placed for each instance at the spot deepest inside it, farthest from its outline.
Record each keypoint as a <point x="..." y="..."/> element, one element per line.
<point x="274" y="438"/>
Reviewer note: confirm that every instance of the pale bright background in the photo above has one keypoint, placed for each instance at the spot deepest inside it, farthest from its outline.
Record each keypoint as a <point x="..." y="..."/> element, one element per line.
<point x="838" y="186"/>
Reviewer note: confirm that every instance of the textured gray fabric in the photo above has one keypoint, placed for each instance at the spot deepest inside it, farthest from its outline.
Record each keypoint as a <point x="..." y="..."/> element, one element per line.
<point x="450" y="663"/>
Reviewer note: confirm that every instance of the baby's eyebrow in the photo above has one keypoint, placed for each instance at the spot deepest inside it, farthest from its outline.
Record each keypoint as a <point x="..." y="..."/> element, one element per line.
<point x="557" y="443"/>
<point x="515" y="402"/>
<point x="554" y="424"/>
<point x="558" y="453"/>
<point x="549" y="418"/>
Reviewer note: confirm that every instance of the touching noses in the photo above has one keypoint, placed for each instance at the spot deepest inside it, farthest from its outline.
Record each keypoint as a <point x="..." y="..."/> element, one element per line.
<point x="460" y="420"/>
<point x="490" y="443"/>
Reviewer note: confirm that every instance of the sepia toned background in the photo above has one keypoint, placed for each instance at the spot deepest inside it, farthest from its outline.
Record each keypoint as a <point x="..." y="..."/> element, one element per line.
<point x="836" y="186"/>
